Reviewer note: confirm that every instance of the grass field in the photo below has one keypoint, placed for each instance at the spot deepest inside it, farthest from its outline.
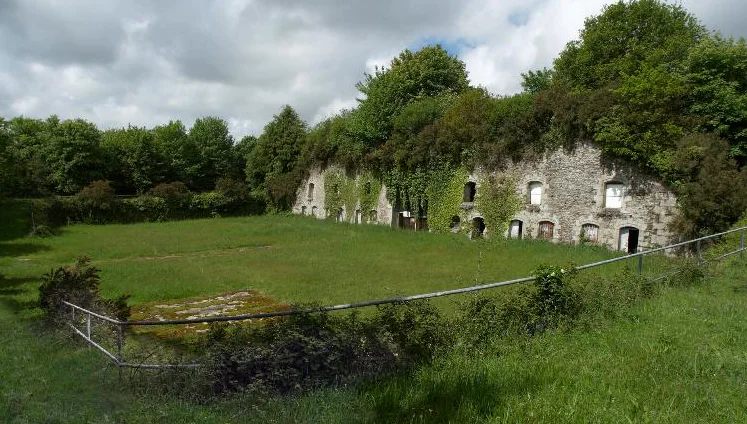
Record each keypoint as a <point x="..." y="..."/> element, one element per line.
<point x="677" y="357"/>
<point x="292" y="259"/>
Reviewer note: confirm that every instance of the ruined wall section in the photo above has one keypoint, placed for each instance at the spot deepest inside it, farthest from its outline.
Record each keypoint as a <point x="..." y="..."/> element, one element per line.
<point x="314" y="205"/>
<point x="573" y="194"/>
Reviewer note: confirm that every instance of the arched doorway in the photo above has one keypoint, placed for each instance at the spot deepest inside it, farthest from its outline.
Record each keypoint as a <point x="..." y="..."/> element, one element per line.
<point x="478" y="227"/>
<point x="515" y="229"/>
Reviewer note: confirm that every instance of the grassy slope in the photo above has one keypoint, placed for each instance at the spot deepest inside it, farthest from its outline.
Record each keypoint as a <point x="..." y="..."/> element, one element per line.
<point x="679" y="357"/>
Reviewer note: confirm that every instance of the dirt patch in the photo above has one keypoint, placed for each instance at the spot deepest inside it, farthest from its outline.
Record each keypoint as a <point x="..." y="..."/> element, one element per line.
<point x="227" y="304"/>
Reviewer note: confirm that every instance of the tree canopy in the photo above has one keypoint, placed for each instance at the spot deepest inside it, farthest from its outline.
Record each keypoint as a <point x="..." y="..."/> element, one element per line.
<point x="645" y="81"/>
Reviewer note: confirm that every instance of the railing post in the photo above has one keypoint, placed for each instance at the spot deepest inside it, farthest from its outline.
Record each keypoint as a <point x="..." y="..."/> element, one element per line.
<point x="640" y="265"/>
<point x="88" y="326"/>
<point x="120" y="341"/>
<point x="741" y="244"/>
<point x="700" y="257"/>
<point x="72" y="315"/>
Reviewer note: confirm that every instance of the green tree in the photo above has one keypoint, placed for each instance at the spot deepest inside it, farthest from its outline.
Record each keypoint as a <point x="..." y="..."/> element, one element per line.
<point x="534" y="82"/>
<point x="73" y="154"/>
<point x="215" y="155"/>
<point x="717" y="73"/>
<point x="179" y="152"/>
<point x="625" y="38"/>
<point x="136" y="163"/>
<point x="272" y="162"/>
<point x="412" y="75"/>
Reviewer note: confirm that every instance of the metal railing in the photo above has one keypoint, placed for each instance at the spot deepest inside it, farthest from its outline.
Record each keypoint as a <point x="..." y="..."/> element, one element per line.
<point x="662" y="262"/>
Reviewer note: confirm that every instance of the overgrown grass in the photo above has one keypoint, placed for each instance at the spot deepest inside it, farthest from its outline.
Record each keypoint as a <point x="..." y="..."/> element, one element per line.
<point x="675" y="357"/>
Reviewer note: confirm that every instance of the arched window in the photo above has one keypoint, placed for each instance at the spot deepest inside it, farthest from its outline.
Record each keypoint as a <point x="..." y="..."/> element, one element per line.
<point x="310" y="192"/>
<point x="546" y="230"/>
<point x="470" y="189"/>
<point x="313" y="211"/>
<point x="613" y="194"/>
<point x="303" y="210"/>
<point x="373" y="216"/>
<point x="515" y="229"/>
<point x="535" y="193"/>
<point x="590" y="232"/>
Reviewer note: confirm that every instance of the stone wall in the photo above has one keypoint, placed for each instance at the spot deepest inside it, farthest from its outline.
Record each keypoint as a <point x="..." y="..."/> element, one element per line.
<point x="573" y="194"/>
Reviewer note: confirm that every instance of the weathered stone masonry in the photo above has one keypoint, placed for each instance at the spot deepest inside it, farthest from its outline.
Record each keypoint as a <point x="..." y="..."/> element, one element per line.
<point x="572" y="189"/>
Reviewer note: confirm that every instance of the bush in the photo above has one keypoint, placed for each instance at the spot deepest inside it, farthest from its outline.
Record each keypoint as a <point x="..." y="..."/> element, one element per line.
<point x="552" y="299"/>
<point x="172" y="190"/>
<point x="235" y="190"/>
<point x="98" y="195"/>
<point x="312" y="350"/>
<point x="77" y="284"/>
<point x="177" y="197"/>
<point x="48" y="214"/>
<point x="144" y="208"/>
<point x="210" y="204"/>
<point x="95" y="204"/>
<point x="300" y="351"/>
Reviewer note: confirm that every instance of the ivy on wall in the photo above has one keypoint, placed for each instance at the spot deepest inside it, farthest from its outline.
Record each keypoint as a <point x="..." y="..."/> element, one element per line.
<point x="498" y="202"/>
<point x="445" y="191"/>
<point x="343" y="192"/>
<point x="368" y="189"/>
<point x="339" y="193"/>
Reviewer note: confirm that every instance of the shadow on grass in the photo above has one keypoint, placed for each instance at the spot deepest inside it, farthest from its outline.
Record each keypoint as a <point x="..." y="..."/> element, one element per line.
<point x="20" y="249"/>
<point x="11" y="288"/>
<point x="452" y="399"/>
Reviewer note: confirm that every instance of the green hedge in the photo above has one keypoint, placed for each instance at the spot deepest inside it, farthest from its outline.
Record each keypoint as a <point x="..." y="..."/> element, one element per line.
<point x="57" y="211"/>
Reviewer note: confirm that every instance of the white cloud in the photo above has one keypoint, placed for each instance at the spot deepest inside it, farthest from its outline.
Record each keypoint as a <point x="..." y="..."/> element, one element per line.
<point x="145" y="63"/>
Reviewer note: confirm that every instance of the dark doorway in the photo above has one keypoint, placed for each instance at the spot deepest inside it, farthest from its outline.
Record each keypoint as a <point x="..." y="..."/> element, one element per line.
<point x="628" y="239"/>
<point x="478" y="227"/>
<point x="469" y="192"/>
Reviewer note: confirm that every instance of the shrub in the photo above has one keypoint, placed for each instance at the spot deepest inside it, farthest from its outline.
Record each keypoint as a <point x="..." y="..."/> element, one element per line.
<point x="300" y="351"/>
<point x="311" y="350"/>
<point x="210" y="204"/>
<point x="144" y="208"/>
<point x="96" y="203"/>
<point x="48" y="214"/>
<point x="233" y="189"/>
<point x="553" y="299"/>
<point x="97" y="195"/>
<point x="77" y="284"/>
<point x="177" y="198"/>
<point x="417" y="329"/>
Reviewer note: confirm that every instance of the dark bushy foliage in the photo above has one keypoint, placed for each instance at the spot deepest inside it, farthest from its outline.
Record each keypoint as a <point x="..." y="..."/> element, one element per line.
<point x="77" y="284"/>
<point x="235" y="190"/>
<point x="311" y="350"/>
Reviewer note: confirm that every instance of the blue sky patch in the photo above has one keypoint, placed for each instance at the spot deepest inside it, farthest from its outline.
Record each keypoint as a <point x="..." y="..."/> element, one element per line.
<point x="453" y="46"/>
<point x="519" y="17"/>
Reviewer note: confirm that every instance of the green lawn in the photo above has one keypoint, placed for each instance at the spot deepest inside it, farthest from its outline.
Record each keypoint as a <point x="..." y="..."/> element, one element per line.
<point x="677" y="357"/>
<point x="293" y="259"/>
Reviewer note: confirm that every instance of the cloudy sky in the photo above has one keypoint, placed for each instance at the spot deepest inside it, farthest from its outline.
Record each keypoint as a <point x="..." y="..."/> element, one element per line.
<point x="147" y="62"/>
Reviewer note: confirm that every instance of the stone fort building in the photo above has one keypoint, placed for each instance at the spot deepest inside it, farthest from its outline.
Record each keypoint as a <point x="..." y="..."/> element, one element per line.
<point x="570" y="196"/>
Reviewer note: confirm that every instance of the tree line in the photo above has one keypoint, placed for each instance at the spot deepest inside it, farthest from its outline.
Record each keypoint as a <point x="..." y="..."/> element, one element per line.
<point x="645" y="81"/>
